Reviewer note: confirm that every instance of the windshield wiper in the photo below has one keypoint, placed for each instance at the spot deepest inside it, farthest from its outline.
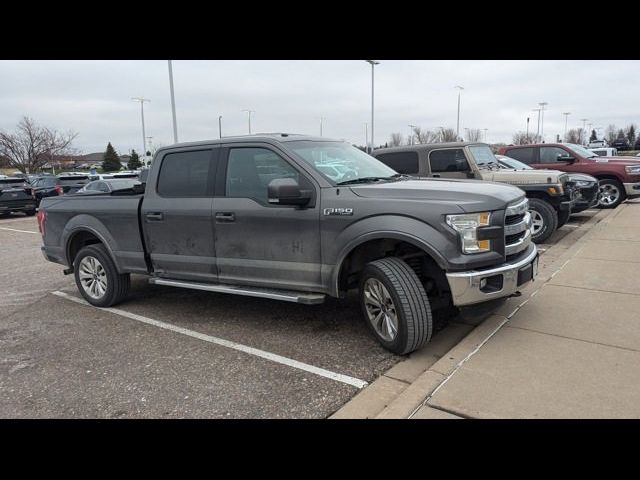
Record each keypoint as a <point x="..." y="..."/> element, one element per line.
<point x="364" y="180"/>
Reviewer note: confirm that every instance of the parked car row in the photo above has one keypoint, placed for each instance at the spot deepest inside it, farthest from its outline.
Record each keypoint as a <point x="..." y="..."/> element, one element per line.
<point x="618" y="177"/>
<point x="553" y="195"/>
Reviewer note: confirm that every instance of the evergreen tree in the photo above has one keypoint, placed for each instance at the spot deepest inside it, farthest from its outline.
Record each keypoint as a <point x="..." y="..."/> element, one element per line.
<point x="134" y="161"/>
<point x="631" y="134"/>
<point x="593" y="136"/>
<point x="111" y="161"/>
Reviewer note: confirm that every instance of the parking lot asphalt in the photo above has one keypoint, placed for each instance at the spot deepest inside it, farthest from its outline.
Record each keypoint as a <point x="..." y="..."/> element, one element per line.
<point x="174" y="352"/>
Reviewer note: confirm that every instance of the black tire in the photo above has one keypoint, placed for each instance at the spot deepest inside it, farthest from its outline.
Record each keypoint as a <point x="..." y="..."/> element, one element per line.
<point x="608" y="185"/>
<point x="410" y="301"/>
<point x="117" y="285"/>
<point x="548" y="216"/>
<point x="563" y="217"/>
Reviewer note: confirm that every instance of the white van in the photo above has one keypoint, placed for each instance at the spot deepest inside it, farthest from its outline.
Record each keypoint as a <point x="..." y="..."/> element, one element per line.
<point x="605" y="152"/>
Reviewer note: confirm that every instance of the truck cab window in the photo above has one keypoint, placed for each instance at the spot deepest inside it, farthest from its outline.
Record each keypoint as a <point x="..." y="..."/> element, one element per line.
<point x="450" y="160"/>
<point x="185" y="174"/>
<point x="250" y="170"/>
<point x="401" y="162"/>
<point x="524" y="155"/>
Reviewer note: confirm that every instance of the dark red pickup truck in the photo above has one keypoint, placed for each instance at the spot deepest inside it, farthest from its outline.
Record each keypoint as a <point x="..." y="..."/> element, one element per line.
<point x="619" y="176"/>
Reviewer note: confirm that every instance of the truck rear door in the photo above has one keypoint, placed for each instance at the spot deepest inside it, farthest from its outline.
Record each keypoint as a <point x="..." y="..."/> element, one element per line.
<point x="176" y="214"/>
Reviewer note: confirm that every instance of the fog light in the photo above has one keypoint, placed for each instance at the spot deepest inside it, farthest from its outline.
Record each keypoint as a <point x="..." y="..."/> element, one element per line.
<point x="483" y="283"/>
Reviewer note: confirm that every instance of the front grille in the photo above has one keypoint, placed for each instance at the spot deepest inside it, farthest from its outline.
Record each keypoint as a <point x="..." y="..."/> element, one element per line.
<point x="511" y="239"/>
<point x="513" y="219"/>
<point x="517" y="233"/>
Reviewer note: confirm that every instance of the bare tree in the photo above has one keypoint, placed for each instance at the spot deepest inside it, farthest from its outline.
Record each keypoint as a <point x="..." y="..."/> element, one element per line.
<point x="32" y="146"/>
<point x="611" y="134"/>
<point x="396" y="140"/>
<point x="425" y="136"/>
<point x="574" y="136"/>
<point x="448" y="135"/>
<point x="521" y="138"/>
<point x="474" y="135"/>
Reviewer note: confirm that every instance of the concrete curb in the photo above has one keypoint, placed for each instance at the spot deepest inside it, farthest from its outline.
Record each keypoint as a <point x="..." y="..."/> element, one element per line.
<point x="399" y="393"/>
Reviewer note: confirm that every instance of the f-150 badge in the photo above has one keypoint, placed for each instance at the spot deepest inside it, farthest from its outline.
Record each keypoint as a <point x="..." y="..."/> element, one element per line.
<point x="338" y="211"/>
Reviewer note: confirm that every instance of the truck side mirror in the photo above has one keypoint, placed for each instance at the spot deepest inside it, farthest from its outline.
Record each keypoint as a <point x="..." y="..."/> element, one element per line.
<point x="287" y="191"/>
<point x="566" y="158"/>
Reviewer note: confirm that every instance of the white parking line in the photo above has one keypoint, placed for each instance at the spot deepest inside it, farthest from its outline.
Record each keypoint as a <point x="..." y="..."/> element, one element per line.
<point x="15" y="230"/>
<point x="226" y="343"/>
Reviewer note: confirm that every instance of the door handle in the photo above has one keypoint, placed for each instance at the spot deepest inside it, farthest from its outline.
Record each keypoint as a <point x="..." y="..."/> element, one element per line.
<point x="225" y="217"/>
<point x="155" y="217"/>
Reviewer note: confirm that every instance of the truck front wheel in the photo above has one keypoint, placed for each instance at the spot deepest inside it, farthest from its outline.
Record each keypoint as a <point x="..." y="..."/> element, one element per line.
<point x="395" y="305"/>
<point x="611" y="193"/>
<point x="544" y="220"/>
<point x="98" y="279"/>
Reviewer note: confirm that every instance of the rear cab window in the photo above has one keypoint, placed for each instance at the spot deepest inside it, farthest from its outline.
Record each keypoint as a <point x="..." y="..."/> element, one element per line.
<point x="524" y="155"/>
<point x="186" y="174"/>
<point x="401" y="162"/>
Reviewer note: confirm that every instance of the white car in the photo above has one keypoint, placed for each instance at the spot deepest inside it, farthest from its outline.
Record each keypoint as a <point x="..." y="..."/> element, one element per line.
<point x="605" y="152"/>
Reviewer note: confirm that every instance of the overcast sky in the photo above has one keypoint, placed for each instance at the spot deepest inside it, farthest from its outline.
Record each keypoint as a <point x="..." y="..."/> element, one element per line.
<point x="93" y="98"/>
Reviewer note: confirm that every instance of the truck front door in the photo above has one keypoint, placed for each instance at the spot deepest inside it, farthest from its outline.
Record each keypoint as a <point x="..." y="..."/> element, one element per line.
<point x="258" y="243"/>
<point x="449" y="163"/>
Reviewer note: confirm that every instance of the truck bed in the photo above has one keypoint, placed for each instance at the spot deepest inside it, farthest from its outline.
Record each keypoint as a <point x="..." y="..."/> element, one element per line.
<point x="113" y="218"/>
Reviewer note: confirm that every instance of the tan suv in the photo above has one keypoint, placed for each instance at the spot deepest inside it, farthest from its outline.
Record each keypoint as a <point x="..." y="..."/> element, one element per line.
<point x="551" y="193"/>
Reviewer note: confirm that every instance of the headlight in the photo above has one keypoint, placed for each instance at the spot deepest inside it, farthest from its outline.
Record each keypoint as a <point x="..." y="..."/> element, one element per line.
<point x="633" y="169"/>
<point x="467" y="227"/>
<point x="582" y="183"/>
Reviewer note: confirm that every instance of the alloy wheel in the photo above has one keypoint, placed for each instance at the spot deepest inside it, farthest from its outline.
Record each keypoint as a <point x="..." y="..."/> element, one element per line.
<point x="380" y="309"/>
<point x="93" y="277"/>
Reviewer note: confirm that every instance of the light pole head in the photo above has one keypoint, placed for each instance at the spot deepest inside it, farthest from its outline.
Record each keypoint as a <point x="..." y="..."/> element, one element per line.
<point x="459" y="87"/>
<point x="373" y="62"/>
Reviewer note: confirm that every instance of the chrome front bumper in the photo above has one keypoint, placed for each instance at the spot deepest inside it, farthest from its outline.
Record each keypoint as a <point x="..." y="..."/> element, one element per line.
<point x="632" y="189"/>
<point x="477" y="286"/>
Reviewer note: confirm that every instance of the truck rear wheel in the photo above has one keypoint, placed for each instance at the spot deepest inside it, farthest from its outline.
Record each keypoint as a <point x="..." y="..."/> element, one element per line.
<point x="98" y="279"/>
<point x="544" y="220"/>
<point x="395" y="305"/>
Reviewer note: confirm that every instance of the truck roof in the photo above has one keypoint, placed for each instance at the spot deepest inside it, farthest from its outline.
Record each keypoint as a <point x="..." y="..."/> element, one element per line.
<point x="426" y="146"/>
<point x="280" y="137"/>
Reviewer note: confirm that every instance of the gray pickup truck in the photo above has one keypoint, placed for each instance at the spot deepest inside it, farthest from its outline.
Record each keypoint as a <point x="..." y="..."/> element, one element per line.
<point x="263" y="216"/>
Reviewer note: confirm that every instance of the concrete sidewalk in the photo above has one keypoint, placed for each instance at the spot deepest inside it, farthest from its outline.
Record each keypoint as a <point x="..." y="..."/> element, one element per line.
<point x="569" y="347"/>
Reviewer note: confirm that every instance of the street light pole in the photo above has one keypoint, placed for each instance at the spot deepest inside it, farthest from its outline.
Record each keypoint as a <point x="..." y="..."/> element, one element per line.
<point x="220" y="125"/>
<point x="373" y="64"/>
<point x="249" y="112"/>
<point x="538" y="128"/>
<point x="458" y="122"/>
<point x="366" y="135"/>
<point x="584" y="124"/>
<point x="566" y="117"/>
<point x="144" y="136"/>
<point x="411" y="134"/>
<point x="485" y="134"/>
<point x="321" y="119"/>
<point x="173" y="105"/>
<point x="542" y="105"/>
<point x="527" y="130"/>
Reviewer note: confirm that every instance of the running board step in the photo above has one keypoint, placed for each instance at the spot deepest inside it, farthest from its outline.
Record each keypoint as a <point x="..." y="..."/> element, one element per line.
<point x="284" y="295"/>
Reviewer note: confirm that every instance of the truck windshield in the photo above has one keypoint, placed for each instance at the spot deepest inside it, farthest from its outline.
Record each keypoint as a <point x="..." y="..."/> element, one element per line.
<point x="581" y="151"/>
<point x="340" y="162"/>
<point x="484" y="157"/>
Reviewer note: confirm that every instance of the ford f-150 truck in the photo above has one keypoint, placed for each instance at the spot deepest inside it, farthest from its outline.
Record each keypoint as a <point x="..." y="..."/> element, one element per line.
<point x="259" y="216"/>
<point x="619" y="176"/>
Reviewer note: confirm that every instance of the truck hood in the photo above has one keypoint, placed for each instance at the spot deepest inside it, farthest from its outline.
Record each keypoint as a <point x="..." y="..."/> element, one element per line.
<point x="616" y="160"/>
<point x="469" y="195"/>
<point x="521" y="177"/>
